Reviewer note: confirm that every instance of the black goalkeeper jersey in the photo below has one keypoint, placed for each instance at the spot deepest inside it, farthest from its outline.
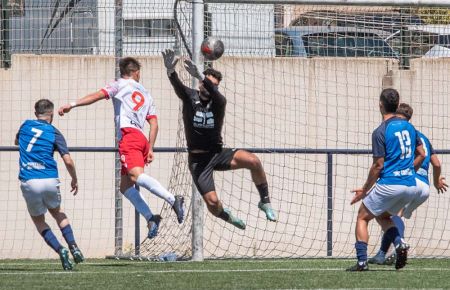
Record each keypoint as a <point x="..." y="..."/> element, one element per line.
<point x="203" y="121"/>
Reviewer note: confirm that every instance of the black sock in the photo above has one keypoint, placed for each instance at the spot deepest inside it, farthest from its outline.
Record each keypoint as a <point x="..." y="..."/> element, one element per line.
<point x="263" y="190"/>
<point x="224" y="215"/>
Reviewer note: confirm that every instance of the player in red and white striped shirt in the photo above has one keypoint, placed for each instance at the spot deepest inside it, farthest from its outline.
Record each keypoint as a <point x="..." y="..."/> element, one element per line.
<point x="133" y="106"/>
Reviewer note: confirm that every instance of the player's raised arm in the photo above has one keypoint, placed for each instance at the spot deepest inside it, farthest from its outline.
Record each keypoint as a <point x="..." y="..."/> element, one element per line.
<point x="438" y="180"/>
<point x="170" y="60"/>
<point x="87" y="100"/>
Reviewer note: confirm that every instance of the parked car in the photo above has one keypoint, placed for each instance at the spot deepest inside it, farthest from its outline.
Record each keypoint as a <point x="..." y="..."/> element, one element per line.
<point x="387" y="20"/>
<point x="418" y="40"/>
<point x="311" y="41"/>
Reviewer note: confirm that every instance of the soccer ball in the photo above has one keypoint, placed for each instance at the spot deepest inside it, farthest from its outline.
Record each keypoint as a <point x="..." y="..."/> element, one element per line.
<point x="212" y="48"/>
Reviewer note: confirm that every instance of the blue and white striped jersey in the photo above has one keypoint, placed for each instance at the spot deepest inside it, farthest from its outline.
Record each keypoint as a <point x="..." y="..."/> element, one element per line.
<point x="38" y="140"/>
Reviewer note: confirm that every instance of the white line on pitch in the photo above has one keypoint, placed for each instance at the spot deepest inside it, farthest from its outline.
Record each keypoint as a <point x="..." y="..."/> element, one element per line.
<point x="205" y="271"/>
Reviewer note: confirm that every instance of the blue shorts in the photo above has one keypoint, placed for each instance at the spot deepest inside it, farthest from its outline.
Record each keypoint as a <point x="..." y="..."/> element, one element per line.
<point x="389" y="198"/>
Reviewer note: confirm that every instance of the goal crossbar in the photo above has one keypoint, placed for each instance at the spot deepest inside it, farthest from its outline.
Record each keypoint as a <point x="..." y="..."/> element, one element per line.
<point x="422" y="3"/>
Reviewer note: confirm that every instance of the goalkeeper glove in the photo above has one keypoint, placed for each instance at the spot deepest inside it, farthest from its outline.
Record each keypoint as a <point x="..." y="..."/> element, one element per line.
<point x="170" y="60"/>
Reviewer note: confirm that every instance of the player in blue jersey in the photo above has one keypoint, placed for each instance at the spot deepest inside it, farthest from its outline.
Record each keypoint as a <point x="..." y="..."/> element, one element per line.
<point x="391" y="183"/>
<point x="37" y="140"/>
<point x="404" y="110"/>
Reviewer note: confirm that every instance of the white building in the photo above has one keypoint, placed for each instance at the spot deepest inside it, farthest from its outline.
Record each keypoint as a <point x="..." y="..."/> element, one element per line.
<point x="150" y="27"/>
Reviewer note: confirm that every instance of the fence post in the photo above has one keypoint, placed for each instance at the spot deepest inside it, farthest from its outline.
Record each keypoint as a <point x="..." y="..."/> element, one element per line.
<point x="329" y="204"/>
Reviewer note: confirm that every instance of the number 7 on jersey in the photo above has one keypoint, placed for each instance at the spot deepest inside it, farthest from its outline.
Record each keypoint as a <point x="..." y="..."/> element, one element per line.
<point x="37" y="134"/>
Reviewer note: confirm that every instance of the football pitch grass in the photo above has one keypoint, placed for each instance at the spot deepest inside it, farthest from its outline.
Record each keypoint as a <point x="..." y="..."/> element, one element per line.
<point x="222" y="274"/>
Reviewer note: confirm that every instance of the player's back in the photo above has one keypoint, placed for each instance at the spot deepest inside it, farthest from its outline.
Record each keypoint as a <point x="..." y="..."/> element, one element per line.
<point x="37" y="140"/>
<point x="422" y="172"/>
<point x="399" y="146"/>
<point x="133" y="104"/>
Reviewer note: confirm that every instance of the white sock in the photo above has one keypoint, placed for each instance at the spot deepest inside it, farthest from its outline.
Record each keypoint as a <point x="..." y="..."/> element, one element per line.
<point x="135" y="197"/>
<point x="155" y="187"/>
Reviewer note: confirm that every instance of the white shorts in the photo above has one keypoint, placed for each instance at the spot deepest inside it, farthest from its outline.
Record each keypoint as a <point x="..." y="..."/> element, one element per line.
<point x="421" y="197"/>
<point x="41" y="194"/>
<point x="389" y="198"/>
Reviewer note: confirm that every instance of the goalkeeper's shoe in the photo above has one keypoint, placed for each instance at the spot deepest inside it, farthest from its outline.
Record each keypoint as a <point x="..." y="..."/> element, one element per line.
<point x="153" y="226"/>
<point x="178" y="208"/>
<point x="359" y="267"/>
<point x="378" y="259"/>
<point x="65" y="261"/>
<point x="76" y="254"/>
<point x="390" y="260"/>
<point x="402" y="255"/>
<point x="268" y="210"/>
<point x="237" y="222"/>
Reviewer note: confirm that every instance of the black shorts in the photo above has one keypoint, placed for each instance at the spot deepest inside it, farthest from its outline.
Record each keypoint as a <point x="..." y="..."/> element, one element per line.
<point x="202" y="166"/>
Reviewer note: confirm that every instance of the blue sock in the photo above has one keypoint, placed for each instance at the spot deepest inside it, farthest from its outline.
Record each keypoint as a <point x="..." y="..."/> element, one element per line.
<point x="394" y="236"/>
<point x="386" y="242"/>
<point x="51" y="240"/>
<point x="388" y="238"/>
<point x="361" y="251"/>
<point x="68" y="235"/>
<point x="399" y="224"/>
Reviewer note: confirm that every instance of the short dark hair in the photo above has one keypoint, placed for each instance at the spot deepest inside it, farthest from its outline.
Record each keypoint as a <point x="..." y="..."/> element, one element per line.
<point x="43" y="106"/>
<point x="128" y="65"/>
<point x="405" y="110"/>
<point x="390" y="99"/>
<point x="214" y="73"/>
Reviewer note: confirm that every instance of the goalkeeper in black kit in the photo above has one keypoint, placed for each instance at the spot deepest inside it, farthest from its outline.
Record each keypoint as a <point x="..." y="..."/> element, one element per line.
<point x="203" y="114"/>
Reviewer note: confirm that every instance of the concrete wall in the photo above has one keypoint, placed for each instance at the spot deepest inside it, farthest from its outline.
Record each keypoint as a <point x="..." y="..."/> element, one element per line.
<point x="281" y="103"/>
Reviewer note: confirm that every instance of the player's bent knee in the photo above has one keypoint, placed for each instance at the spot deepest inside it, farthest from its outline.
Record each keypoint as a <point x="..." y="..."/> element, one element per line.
<point x="255" y="162"/>
<point x="133" y="173"/>
<point x="55" y="211"/>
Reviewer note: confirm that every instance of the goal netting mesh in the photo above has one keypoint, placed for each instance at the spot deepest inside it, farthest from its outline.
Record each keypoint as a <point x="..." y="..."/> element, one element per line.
<point x="302" y="84"/>
<point x="280" y="103"/>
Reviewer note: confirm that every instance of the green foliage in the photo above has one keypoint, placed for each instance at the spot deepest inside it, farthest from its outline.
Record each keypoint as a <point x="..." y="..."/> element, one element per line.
<point x="434" y="15"/>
